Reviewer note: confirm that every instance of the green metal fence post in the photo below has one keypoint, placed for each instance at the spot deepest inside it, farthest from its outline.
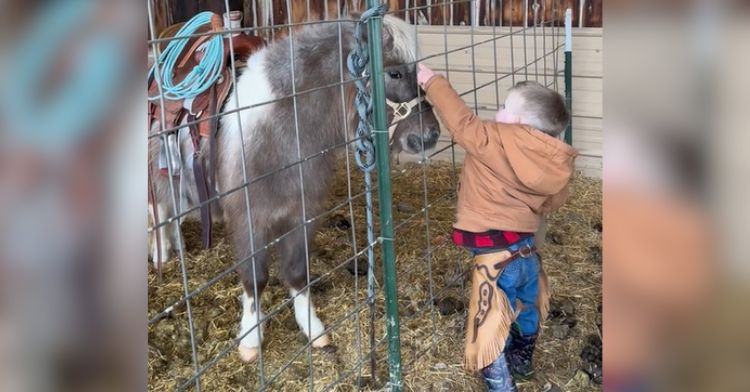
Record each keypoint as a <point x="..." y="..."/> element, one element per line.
<point x="380" y="132"/>
<point x="569" y="72"/>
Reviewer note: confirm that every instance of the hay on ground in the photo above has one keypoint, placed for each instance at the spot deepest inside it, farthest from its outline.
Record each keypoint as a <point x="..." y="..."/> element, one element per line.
<point x="432" y="331"/>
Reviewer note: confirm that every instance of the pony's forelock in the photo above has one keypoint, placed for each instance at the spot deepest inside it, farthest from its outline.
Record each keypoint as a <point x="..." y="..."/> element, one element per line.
<point x="404" y="38"/>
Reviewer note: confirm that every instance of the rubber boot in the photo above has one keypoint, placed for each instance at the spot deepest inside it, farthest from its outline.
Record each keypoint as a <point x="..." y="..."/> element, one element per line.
<point x="519" y="354"/>
<point x="497" y="376"/>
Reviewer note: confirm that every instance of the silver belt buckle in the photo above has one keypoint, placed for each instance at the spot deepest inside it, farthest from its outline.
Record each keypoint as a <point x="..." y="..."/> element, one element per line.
<point x="528" y="250"/>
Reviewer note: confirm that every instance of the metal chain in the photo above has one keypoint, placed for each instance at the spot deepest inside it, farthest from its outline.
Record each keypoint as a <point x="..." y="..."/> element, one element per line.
<point x="357" y="62"/>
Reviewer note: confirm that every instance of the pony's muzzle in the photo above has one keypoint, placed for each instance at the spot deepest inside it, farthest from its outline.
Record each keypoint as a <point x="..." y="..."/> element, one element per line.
<point x="415" y="143"/>
<point x="433" y="133"/>
<point x="427" y="141"/>
<point x="429" y="138"/>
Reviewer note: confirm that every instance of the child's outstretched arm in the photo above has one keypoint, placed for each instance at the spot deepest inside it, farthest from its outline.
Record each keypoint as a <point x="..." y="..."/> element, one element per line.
<point x="467" y="129"/>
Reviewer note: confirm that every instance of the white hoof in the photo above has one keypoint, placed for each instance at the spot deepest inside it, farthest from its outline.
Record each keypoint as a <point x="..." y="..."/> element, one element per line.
<point x="321" y="341"/>
<point x="248" y="354"/>
<point x="250" y="331"/>
<point x="308" y="321"/>
<point x="155" y="258"/>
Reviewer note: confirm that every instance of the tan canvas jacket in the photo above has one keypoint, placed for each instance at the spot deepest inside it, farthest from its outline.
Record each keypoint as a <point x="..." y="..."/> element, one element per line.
<point x="512" y="173"/>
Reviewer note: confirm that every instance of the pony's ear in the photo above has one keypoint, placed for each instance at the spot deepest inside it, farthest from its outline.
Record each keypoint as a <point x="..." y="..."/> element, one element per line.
<point x="387" y="36"/>
<point x="387" y="39"/>
<point x="355" y="16"/>
<point x="387" y="30"/>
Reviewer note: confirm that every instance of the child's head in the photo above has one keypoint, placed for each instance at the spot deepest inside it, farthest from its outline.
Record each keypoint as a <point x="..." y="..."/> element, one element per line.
<point x="534" y="105"/>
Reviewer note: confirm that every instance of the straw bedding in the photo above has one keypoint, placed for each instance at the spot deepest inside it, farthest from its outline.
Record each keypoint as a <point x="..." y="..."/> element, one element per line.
<point x="433" y="286"/>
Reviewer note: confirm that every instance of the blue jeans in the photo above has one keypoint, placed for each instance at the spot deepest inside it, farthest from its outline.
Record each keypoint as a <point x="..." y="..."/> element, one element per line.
<point x="520" y="281"/>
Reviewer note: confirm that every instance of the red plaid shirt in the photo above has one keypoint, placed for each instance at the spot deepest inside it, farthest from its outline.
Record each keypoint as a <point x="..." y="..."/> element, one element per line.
<point x="493" y="239"/>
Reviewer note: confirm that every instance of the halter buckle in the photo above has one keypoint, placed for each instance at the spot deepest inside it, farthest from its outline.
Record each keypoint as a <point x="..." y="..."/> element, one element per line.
<point x="402" y="110"/>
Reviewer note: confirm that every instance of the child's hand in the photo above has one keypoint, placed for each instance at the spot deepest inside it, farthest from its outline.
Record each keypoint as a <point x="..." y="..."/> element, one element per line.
<point x="424" y="74"/>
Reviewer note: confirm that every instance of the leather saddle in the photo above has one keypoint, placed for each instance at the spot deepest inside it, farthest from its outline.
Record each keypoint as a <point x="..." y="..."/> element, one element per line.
<point x="200" y="112"/>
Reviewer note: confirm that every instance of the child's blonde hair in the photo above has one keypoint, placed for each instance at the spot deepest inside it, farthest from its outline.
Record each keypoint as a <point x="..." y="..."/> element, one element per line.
<point x="543" y="108"/>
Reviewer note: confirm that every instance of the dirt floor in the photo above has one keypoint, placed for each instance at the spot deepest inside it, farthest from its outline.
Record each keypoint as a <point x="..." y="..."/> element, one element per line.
<point x="432" y="285"/>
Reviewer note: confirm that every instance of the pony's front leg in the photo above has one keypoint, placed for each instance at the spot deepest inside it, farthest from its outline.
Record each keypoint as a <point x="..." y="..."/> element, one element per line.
<point x="308" y="321"/>
<point x="251" y="328"/>
<point x="253" y="274"/>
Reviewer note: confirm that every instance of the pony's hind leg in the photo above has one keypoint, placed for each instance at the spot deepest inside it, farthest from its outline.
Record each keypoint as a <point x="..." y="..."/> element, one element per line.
<point x="294" y="270"/>
<point x="254" y="276"/>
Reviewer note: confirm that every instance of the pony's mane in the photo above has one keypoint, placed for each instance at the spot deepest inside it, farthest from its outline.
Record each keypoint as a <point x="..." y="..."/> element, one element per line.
<point x="404" y="38"/>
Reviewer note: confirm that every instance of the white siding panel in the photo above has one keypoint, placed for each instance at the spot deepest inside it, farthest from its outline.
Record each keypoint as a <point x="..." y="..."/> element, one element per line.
<point x="488" y="70"/>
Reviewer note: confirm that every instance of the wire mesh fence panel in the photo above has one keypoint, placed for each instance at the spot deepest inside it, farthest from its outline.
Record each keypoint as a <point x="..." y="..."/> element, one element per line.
<point x="482" y="61"/>
<point x="263" y="219"/>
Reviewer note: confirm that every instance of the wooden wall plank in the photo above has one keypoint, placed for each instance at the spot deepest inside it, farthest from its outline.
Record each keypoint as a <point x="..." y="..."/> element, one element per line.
<point x="442" y="12"/>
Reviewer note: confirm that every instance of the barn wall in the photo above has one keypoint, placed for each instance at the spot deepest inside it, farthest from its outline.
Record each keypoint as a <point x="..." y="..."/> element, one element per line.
<point x="586" y="13"/>
<point x="587" y="48"/>
<point x="587" y="77"/>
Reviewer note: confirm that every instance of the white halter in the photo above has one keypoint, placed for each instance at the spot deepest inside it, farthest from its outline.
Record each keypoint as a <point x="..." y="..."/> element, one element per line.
<point x="401" y="111"/>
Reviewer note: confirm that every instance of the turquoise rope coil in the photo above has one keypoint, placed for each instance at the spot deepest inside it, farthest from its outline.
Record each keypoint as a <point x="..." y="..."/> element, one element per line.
<point x="202" y="76"/>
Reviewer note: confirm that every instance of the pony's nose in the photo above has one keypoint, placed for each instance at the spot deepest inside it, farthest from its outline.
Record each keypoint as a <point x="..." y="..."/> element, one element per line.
<point x="433" y="133"/>
<point x="414" y="142"/>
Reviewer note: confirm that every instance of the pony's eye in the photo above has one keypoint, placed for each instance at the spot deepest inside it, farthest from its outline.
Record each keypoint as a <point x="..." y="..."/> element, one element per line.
<point x="394" y="74"/>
